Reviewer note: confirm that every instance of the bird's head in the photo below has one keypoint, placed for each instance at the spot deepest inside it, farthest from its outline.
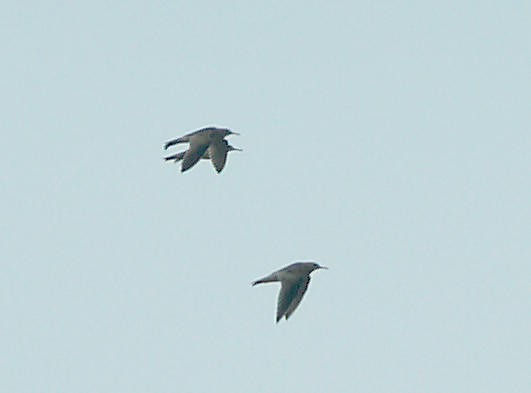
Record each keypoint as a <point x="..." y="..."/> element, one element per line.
<point x="231" y="148"/>
<point x="317" y="266"/>
<point x="226" y="132"/>
<point x="314" y="266"/>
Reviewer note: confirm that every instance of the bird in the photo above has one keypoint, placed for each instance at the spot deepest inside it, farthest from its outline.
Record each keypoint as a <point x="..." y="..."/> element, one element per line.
<point x="218" y="160"/>
<point x="200" y="141"/>
<point x="294" y="280"/>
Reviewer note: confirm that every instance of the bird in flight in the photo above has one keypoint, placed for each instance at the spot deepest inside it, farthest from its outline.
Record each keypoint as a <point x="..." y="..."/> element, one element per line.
<point x="294" y="280"/>
<point x="208" y="140"/>
<point x="219" y="163"/>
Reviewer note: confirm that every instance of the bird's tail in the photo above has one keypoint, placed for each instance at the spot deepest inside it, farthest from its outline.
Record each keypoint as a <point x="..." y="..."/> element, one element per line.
<point x="175" y="141"/>
<point x="270" y="278"/>
<point x="176" y="157"/>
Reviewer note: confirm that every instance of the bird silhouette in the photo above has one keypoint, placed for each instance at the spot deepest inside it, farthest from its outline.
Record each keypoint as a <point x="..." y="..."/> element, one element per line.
<point x="294" y="280"/>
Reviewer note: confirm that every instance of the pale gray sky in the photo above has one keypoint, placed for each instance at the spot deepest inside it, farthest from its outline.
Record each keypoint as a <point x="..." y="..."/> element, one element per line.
<point x="389" y="141"/>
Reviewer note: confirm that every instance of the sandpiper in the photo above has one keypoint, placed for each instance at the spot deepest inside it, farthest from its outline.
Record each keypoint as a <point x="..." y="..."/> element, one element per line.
<point x="294" y="280"/>
<point x="200" y="141"/>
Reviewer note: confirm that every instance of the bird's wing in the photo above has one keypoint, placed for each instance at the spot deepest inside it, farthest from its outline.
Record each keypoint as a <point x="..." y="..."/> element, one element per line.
<point x="176" y="157"/>
<point x="291" y="293"/>
<point x="193" y="154"/>
<point x="218" y="155"/>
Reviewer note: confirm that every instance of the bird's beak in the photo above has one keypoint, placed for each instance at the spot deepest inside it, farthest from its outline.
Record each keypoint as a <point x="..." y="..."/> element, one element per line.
<point x="235" y="148"/>
<point x="234" y="133"/>
<point x="323" y="267"/>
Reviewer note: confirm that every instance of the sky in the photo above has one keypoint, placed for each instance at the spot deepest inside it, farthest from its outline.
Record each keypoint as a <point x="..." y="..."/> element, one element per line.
<point x="389" y="141"/>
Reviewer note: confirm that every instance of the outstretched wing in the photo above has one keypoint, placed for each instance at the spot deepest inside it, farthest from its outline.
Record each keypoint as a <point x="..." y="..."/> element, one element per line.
<point x="193" y="154"/>
<point x="218" y="154"/>
<point x="290" y="296"/>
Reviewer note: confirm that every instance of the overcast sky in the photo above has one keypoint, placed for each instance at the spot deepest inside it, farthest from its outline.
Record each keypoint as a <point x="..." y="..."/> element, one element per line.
<point x="387" y="140"/>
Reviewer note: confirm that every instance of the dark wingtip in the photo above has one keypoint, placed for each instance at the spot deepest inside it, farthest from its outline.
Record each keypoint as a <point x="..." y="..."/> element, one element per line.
<point x="171" y="143"/>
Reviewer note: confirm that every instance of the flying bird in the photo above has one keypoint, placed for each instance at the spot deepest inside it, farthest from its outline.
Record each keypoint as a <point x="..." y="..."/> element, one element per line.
<point x="218" y="157"/>
<point x="294" y="280"/>
<point x="210" y="138"/>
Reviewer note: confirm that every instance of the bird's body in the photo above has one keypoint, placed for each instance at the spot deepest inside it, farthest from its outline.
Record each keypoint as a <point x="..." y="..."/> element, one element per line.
<point x="294" y="280"/>
<point x="211" y="140"/>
